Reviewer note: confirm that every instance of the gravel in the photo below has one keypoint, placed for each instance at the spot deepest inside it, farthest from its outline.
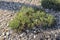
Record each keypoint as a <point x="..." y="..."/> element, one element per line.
<point x="8" y="8"/>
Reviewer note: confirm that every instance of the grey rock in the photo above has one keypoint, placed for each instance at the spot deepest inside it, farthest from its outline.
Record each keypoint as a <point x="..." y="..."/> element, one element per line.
<point x="23" y="34"/>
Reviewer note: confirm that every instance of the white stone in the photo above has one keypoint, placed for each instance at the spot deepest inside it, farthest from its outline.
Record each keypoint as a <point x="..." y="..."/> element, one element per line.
<point x="35" y="36"/>
<point x="7" y="33"/>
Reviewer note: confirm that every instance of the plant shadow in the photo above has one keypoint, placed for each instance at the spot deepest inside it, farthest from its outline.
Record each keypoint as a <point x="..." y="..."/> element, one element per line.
<point x="13" y="6"/>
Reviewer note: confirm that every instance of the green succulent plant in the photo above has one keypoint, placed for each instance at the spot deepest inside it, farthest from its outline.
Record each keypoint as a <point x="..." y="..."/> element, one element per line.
<point x="29" y="17"/>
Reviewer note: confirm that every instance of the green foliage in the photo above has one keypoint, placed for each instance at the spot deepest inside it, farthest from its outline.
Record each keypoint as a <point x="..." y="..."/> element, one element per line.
<point x="14" y="23"/>
<point x="55" y="4"/>
<point x="28" y="17"/>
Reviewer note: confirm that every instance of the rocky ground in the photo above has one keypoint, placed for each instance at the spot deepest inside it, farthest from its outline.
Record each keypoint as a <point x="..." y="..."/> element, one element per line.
<point x="8" y="8"/>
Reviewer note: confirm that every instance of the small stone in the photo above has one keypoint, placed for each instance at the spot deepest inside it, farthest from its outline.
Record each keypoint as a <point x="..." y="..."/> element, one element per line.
<point x="55" y="35"/>
<point x="34" y="31"/>
<point x="7" y="33"/>
<point x="52" y="32"/>
<point x="3" y="34"/>
<point x="27" y="31"/>
<point x="35" y="36"/>
<point x="23" y="34"/>
<point x="47" y="35"/>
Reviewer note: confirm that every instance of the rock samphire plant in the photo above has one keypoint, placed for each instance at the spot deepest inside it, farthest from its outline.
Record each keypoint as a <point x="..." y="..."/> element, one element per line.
<point x="54" y="4"/>
<point x="29" y="17"/>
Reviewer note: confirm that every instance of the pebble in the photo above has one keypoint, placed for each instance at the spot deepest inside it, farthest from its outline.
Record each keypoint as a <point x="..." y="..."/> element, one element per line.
<point x="35" y="36"/>
<point x="7" y="33"/>
<point x="22" y="35"/>
<point x="3" y="33"/>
